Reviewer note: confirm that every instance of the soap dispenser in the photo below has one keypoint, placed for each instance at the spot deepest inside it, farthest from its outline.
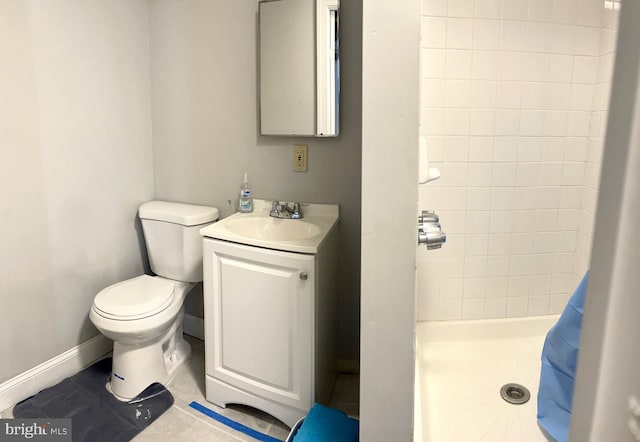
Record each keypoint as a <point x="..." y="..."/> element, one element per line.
<point x="245" y="201"/>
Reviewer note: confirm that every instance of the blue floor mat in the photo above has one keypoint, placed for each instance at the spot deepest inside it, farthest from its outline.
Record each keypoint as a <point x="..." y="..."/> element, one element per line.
<point x="96" y="415"/>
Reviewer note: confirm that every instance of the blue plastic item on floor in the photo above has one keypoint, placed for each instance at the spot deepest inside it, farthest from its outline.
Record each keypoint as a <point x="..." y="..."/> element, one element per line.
<point x="559" y="361"/>
<point x="324" y="424"/>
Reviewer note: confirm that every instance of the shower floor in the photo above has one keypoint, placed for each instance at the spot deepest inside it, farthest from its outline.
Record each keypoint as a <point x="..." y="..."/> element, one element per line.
<point x="460" y="368"/>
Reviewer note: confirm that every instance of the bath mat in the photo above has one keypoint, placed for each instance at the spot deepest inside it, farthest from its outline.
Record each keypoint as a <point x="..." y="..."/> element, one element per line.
<point x="96" y="415"/>
<point x="233" y="424"/>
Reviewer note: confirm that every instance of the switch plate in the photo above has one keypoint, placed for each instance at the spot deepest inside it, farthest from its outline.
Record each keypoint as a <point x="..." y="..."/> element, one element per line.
<point x="299" y="157"/>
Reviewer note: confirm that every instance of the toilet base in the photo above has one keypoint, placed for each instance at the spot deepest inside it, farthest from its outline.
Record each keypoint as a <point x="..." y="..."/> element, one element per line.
<point x="136" y="366"/>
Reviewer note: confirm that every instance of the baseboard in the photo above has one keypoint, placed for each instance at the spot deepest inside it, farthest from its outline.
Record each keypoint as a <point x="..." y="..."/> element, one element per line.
<point x="193" y="326"/>
<point x="53" y="371"/>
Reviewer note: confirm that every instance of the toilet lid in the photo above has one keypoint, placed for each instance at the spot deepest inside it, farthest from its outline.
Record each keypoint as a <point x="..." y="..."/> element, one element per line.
<point x="141" y="296"/>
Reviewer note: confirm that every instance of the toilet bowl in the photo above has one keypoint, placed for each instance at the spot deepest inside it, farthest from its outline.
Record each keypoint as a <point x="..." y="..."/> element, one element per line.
<point x="143" y="315"/>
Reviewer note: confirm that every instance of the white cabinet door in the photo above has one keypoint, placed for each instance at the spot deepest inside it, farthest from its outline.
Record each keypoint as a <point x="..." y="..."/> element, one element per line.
<point x="259" y="321"/>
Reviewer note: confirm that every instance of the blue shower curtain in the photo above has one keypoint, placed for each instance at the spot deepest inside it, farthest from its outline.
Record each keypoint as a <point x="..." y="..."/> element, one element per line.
<point x="559" y="361"/>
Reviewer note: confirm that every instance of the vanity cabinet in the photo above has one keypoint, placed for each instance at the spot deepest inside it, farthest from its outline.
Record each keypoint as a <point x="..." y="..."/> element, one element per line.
<point x="270" y="327"/>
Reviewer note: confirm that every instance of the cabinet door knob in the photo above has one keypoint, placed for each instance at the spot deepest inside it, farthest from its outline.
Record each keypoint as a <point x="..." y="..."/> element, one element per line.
<point x="303" y="276"/>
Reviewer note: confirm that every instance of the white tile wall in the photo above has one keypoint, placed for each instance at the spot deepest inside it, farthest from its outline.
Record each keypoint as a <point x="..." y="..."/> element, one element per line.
<point x="514" y="96"/>
<point x="592" y="152"/>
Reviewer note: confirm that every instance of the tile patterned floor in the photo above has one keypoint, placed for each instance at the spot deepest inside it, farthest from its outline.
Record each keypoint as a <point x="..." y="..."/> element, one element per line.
<point x="182" y="423"/>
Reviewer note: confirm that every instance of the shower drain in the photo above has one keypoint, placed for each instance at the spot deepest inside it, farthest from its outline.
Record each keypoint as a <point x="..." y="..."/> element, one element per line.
<point x="515" y="393"/>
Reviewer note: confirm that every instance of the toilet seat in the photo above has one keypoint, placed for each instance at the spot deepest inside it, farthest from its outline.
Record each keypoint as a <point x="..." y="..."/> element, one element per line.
<point x="134" y="298"/>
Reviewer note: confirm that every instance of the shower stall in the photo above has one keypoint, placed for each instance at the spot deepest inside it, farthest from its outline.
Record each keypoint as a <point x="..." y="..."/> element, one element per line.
<point x="513" y="108"/>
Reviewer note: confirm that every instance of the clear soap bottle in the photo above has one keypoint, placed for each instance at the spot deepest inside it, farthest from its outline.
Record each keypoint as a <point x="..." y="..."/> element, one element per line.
<point x="245" y="201"/>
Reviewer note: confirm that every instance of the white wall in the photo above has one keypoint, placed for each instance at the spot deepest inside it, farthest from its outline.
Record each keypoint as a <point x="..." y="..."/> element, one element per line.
<point x="205" y="131"/>
<point x="389" y="228"/>
<point x="75" y="138"/>
<point x="507" y="106"/>
<point x="609" y="359"/>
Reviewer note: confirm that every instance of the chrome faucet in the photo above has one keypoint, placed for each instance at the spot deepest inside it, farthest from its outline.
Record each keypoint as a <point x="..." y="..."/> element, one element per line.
<point x="297" y="211"/>
<point x="282" y="210"/>
<point x="430" y="231"/>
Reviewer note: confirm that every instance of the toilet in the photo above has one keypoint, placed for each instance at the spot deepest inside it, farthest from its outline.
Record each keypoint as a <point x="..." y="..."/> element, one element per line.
<point x="143" y="315"/>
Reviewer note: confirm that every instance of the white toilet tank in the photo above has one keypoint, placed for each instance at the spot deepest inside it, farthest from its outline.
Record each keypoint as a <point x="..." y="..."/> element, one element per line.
<point x="171" y="233"/>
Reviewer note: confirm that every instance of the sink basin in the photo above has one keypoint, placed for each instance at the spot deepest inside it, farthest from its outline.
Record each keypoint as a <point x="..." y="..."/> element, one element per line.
<point x="259" y="229"/>
<point x="273" y="229"/>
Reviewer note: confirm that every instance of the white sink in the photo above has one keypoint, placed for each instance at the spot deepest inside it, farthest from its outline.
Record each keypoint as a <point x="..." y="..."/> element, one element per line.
<point x="273" y="229"/>
<point x="260" y="229"/>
